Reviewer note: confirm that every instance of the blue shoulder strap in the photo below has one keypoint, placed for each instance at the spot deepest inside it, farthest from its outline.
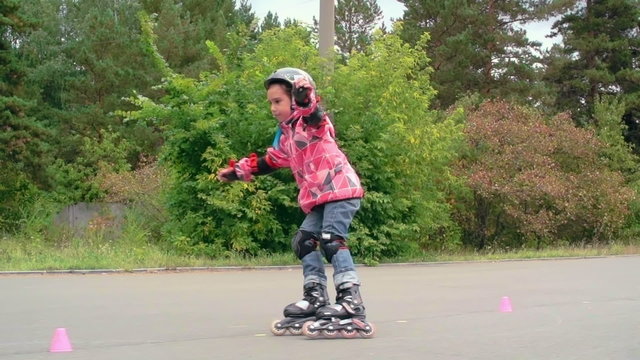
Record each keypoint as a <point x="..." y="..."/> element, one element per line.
<point x="276" y="139"/>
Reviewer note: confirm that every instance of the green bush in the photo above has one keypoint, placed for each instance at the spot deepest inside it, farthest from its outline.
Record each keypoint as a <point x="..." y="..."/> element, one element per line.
<point x="78" y="180"/>
<point x="17" y="198"/>
<point x="619" y="156"/>
<point x="401" y="148"/>
<point x="380" y="103"/>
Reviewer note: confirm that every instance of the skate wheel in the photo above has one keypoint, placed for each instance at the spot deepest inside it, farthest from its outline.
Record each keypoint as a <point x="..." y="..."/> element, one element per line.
<point x="330" y="334"/>
<point x="309" y="331"/>
<point x="348" y="334"/>
<point x="295" y="330"/>
<point x="276" y="329"/>
<point x="369" y="332"/>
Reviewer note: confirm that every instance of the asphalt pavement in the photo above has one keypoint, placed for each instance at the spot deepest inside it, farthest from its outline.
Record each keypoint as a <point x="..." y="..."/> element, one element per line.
<point x="562" y="309"/>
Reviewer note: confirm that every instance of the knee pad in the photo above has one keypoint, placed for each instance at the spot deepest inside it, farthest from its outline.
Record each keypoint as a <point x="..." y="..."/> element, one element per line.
<point x="303" y="243"/>
<point x="331" y="244"/>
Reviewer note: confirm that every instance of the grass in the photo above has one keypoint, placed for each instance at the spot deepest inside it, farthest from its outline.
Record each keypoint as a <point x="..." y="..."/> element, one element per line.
<point x="563" y="252"/>
<point x="41" y="246"/>
<point x="98" y="252"/>
<point x="81" y="254"/>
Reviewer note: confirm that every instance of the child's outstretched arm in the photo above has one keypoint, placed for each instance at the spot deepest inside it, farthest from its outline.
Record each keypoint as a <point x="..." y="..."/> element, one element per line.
<point x="245" y="169"/>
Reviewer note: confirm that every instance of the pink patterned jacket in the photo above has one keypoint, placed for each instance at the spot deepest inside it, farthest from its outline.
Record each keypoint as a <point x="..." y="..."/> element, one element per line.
<point x="321" y="169"/>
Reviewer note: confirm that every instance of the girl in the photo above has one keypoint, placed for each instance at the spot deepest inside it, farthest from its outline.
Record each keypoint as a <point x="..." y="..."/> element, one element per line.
<point x="329" y="195"/>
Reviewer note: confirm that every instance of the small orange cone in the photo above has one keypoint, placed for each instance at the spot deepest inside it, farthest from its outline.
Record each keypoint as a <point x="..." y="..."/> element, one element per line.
<point x="505" y="305"/>
<point x="60" y="341"/>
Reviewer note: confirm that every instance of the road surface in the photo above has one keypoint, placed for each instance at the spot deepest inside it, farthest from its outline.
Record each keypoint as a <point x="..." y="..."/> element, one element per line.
<point x="562" y="309"/>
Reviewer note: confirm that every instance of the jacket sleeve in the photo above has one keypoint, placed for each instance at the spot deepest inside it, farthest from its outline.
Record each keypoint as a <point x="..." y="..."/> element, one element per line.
<point x="276" y="158"/>
<point x="247" y="167"/>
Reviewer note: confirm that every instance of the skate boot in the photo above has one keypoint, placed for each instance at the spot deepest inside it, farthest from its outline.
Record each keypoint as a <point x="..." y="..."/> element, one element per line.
<point x="346" y="319"/>
<point x="296" y="314"/>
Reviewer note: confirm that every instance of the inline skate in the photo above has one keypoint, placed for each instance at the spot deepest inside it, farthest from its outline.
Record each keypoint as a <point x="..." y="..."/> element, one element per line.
<point x="345" y="319"/>
<point x="296" y="314"/>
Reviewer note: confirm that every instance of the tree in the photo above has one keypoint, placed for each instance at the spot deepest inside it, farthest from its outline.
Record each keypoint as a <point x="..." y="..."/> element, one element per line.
<point x="83" y="58"/>
<point x="599" y="56"/>
<point x="23" y="141"/>
<point x="477" y="47"/>
<point x="182" y="29"/>
<point x="247" y="18"/>
<point x="269" y="22"/>
<point x="87" y="55"/>
<point x="289" y="22"/>
<point x="355" y="20"/>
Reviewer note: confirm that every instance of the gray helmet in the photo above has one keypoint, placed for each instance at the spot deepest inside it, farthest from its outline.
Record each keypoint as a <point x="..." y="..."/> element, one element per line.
<point x="287" y="75"/>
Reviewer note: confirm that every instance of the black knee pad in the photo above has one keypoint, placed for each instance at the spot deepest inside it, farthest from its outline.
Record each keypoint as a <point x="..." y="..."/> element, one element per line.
<point x="303" y="243"/>
<point x="331" y="244"/>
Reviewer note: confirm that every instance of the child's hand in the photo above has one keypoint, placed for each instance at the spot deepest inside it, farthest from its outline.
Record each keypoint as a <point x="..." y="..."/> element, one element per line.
<point x="304" y="96"/>
<point x="227" y="175"/>
<point x="303" y="91"/>
<point x="240" y="170"/>
<point x="302" y="82"/>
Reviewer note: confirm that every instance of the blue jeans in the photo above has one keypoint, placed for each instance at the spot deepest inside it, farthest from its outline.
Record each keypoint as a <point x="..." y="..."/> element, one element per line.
<point x="330" y="218"/>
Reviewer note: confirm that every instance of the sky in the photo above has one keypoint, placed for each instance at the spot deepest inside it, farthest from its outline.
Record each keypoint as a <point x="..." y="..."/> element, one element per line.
<point x="305" y="10"/>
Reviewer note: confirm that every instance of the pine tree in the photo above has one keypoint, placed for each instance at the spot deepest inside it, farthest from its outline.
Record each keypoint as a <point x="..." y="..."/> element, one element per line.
<point x="477" y="46"/>
<point x="269" y="22"/>
<point x="247" y="17"/>
<point x="21" y="137"/>
<point x="183" y="28"/>
<point x="355" y="20"/>
<point x="600" y="56"/>
<point x="289" y="22"/>
<point x="23" y="155"/>
<point x="180" y="41"/>
<point x="84" y="58"/>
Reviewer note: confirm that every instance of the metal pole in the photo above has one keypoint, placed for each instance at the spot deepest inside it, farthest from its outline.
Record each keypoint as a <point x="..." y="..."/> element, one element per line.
<point x="326" y="28"/>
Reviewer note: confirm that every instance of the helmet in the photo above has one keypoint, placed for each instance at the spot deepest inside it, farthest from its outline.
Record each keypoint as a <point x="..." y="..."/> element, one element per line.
<point x="287" y="75"/>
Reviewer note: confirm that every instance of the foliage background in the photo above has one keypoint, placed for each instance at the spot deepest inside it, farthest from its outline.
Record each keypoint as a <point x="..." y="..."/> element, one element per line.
<point x="379" y="100"/>
<point x="142" y="101"/>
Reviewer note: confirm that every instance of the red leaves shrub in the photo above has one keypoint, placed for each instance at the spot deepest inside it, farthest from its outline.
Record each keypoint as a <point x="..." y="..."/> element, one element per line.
<point x="537" y="180"/>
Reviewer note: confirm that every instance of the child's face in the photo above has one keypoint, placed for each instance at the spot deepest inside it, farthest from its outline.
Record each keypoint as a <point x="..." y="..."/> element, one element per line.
<point x="280" y="101"/>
